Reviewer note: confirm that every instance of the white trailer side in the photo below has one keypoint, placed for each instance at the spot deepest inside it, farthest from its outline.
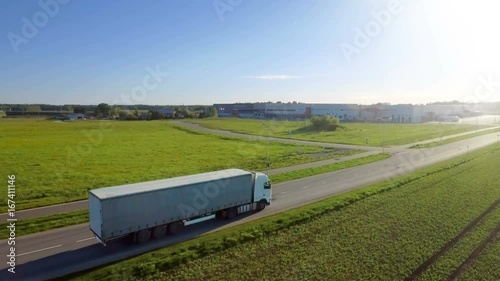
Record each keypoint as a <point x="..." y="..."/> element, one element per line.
<point x="120" y="210"/>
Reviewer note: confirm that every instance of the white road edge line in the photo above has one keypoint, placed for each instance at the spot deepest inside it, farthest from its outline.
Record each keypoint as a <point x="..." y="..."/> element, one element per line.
<point x="84" y="239"/>
<point x="283" y="192"/>
<point x="36" y="251"/>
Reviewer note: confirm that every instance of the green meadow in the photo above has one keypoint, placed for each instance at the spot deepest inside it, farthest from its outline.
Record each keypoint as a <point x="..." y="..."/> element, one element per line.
<point x="56" y="162"/>
<point x="371" y="134"/>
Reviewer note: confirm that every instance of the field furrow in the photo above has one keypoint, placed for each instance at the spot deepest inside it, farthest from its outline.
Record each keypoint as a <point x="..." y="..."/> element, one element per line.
<point x="475" y="254"/>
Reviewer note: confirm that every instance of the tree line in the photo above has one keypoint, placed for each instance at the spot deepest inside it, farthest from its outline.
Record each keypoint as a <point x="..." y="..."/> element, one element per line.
<point x="122" y="112"/>
<point x="104" y="110"/>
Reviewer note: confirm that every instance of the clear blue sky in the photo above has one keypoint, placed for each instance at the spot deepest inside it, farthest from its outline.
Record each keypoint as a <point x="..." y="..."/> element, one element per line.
<point x="261" y="50"/>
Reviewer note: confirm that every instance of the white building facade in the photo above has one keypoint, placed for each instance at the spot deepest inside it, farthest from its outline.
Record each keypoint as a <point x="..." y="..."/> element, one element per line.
<point x="399" y="113"/>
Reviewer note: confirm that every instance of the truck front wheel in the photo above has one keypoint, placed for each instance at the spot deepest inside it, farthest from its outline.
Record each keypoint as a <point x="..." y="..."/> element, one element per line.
<point x="261" y="205"/>
<point x="143" y="236"/>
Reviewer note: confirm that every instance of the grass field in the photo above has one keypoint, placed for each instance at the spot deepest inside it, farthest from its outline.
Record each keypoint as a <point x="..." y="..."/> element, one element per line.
<point x="57" y="162"/>
<point x="423" y="226"/>
<point x="355" y="133"/>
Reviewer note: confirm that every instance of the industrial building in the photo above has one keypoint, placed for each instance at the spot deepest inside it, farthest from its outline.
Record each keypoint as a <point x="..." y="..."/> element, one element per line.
<point x="382" y="112"/>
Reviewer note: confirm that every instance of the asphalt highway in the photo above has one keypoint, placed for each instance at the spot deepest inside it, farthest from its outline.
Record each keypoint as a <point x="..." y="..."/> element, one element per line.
<point x="55" y="253"/>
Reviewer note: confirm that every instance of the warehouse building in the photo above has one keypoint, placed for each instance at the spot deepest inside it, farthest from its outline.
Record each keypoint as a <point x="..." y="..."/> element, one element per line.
<point x="382" y="112"/>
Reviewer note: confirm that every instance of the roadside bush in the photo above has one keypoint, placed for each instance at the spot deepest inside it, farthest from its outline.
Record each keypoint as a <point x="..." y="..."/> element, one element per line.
<point x="131" y="117"/>
<point x="325" y="123"/>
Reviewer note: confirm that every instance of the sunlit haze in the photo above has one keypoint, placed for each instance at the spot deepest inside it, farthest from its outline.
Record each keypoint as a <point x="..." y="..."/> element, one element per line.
<point x="88" y="52"/>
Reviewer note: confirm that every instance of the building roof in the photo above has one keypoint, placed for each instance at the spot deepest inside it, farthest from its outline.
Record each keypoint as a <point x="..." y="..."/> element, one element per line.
<point x="166" y="111"/>
<point x="143" y="187"/>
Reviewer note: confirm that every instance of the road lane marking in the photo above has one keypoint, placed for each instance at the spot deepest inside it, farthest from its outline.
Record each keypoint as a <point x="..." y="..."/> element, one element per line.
<point x="283" y="192"/>
<point x="36" y="251"/>
<point x="323" y="182"/>
<point x="306" y="186"/>
<point x="84" y="239"/>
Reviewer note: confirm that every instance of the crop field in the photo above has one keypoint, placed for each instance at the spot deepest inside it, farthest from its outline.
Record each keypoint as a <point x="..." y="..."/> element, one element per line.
<point x="355" y="133"/>
<point x="424" y="230"/>
<point x="57" y="162"/>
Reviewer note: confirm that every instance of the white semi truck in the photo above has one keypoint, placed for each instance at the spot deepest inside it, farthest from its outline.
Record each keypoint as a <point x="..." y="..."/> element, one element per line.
<point x="151" y="209"/>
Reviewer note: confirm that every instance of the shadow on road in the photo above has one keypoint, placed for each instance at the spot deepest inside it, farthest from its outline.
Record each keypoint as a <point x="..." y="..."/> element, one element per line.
<point x="77" y="260"/>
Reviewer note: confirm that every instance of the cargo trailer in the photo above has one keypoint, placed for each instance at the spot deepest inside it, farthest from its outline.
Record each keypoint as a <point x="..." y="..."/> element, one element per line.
<point x="151" y="209"/>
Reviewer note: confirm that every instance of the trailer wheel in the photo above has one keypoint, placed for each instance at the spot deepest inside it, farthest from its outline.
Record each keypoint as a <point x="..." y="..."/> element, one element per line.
<point x="232" y="213"/>
<point x="175" y="227"/>
<point x="159" y="231"/>
<point x="261" y="205"/>
<point x="221" y="215"/>
<point x="143" y="236"/>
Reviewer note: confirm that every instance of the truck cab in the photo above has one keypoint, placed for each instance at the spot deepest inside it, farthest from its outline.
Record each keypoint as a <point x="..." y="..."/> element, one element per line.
<point x="262" y="190"/>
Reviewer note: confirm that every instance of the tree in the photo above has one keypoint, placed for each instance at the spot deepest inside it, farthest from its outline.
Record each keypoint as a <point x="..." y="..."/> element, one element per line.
<point x="79" y="109"/>
<point x="131" y="117"/>
<point x="187" y="113"/>
<point x="155" y="115"/>
<point x="123" y="115"/>
<point x="115" y="111"/>
<point x="102" y="110"/>
<point x="32" y="108"/>
<point x="212" y="111"/>
<point x="325" y="123"/>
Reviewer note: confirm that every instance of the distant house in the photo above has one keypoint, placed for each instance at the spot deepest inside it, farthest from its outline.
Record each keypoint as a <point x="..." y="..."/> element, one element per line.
<point x="89" y="114"/>
<point x="144" y="116"/>
<point x="75" y="116"/>
<point x="168" y="112"/>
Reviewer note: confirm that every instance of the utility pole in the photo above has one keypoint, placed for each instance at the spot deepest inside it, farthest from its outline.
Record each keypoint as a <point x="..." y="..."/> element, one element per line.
<point x="267" y="158"/>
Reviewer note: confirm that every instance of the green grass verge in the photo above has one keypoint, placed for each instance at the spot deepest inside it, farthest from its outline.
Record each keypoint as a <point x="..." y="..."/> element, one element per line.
<point x="29" y="226"/>
<point x="355" y="133"/>
<point x="450" y="140"/>
<point x="293" y="175"/>
<point x="56" y="162"/>
<point x="380" y="232"/>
